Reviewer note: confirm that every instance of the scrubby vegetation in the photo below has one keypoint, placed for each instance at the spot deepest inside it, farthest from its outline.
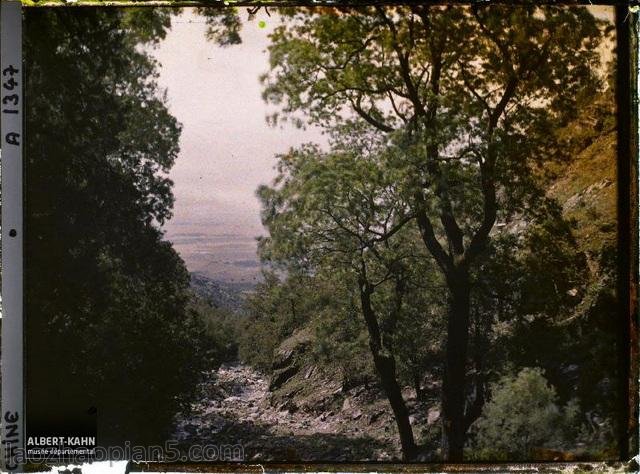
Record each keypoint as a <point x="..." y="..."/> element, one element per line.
<point x="523" y="414"/>
<point x="451" y="254"/>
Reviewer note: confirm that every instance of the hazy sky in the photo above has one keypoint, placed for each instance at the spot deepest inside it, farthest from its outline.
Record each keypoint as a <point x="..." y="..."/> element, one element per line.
<point x="226" y="148"/>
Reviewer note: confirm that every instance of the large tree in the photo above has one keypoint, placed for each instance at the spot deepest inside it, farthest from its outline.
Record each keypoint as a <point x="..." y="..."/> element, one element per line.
<point x="340" y="213"/>
<point x="471" y="97"/>
<point x="105" y="295"/>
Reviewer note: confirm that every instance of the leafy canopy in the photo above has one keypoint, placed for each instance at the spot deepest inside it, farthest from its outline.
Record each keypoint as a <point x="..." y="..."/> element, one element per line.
<point x="468" y="96"/>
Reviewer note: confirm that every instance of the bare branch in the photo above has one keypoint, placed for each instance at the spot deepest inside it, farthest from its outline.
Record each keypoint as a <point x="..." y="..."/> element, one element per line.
<point x="394" y="229"/>
<point x="395" y="108"/>
<point x="368" y="117"/>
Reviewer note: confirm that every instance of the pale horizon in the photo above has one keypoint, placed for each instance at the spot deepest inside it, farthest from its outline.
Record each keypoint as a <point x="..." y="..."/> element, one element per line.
<point x="227" y="149"/>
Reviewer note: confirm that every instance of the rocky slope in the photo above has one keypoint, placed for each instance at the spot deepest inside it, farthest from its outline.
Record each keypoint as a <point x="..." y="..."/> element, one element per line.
<point x="302" y="388"/>
<point x="301" y="413"/>
<point x="235" y="407"/>
<point x="586" y="189"/>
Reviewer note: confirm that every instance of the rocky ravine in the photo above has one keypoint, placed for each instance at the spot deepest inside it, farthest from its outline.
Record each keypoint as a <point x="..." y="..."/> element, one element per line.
<point x="236" y="407"/>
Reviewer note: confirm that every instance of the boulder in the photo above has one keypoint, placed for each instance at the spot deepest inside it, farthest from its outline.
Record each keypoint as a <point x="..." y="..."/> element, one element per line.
<point x="280" y="377"/>
<point x="282" y="359"/>
<point x="310" y="372"/>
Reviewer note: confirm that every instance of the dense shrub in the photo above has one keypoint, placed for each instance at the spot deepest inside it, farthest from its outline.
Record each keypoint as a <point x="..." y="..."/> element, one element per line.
<point x="522" y="413"/>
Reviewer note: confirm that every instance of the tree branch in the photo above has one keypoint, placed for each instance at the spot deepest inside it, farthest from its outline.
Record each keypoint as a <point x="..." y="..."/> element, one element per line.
<point x="494" y="116"/>
<point x="368" y="118"/>
<point x="403" y="59"/>
<point x="387" y="235"/>
<point x="429" y="237"/>
<point x="468" y="85"/>
<point x="487" y="176"/>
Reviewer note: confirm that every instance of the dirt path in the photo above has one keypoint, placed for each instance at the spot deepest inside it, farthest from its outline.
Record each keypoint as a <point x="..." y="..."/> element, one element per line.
<point x="234" y="409"/>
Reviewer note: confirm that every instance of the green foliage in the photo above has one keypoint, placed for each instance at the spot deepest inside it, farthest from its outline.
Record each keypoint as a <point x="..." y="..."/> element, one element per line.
<point x="574" y="340"/>
<point x="341" y="346"/>
<point x="275" y="310"/>
<point x="466" y="95"/>
<point x="419" y="334"/>
<point x="340" y="337"/>
<point x="220" y="327"/>
<point x="147" y="25"/>
<point x="458" y="109"/>
<point x="464" y="116"/>
<point x="106" y="297"/>
<point x="320" y="305"/>
<point x="223" y="25"/>
<point x="523" y="413"/>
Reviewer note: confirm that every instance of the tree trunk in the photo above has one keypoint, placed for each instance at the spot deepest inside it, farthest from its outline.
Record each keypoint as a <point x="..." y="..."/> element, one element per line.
<point x="454" y="381"/>
<point x="386" y="367"/>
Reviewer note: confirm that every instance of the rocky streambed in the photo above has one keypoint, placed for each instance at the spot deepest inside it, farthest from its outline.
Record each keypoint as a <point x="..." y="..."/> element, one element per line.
<point x="236" y="407"/>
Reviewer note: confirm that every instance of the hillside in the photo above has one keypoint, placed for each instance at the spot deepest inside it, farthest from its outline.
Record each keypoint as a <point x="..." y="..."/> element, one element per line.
<point x="586" y="185"/>
<point x="587" y="192"/>
<point x="217" y="294"/>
